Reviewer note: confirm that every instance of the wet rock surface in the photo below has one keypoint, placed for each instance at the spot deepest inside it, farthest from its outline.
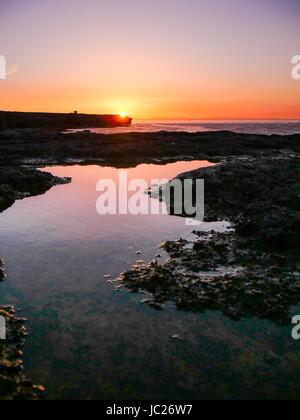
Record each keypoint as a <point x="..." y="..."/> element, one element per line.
<point x="20" y="182"/>
<point x="14" y="384"/>
<point x="251" y="272"/>
<point x="46" y="147"/>
<point x="260" y="197"/>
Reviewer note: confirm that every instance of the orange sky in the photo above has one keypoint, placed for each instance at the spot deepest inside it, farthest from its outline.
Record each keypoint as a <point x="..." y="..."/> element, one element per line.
<point x="202" y="59"/>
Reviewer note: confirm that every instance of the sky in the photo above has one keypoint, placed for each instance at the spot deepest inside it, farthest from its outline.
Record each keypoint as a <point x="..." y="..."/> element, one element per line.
<point x="158" y="59"/>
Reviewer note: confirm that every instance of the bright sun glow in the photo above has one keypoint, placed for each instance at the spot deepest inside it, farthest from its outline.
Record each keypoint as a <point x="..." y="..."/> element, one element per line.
<point x="123" y="114"/>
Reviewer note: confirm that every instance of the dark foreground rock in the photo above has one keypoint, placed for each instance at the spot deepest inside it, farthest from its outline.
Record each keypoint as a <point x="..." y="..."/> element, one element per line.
<point x="43" y="148"/>
<point x="14" y="384"/>
<point x="20" y="182"/>
<point x="260" y="196"/>
<point x="251" y="272"/>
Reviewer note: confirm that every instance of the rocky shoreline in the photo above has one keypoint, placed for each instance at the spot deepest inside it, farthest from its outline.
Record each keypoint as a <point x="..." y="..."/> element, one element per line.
<point x="250" y="271"/>
<point x="39" y="148"/>
<point x="14" y="384"/>
<point x="21" y="182"/>
<point x="23" y="151"/>
<point x="256" y="188"/>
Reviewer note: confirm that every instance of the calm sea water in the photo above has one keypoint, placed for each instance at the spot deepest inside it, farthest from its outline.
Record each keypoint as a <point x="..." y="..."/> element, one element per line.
<point x="252" y="127"/>
<point x="89" y="341"/>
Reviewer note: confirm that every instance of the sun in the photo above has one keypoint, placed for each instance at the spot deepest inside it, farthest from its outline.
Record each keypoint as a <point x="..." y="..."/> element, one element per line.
<point x="123" y="114"/>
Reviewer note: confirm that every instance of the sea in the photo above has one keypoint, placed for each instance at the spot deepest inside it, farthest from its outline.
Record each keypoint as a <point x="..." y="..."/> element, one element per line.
<point x="280" y="127"/>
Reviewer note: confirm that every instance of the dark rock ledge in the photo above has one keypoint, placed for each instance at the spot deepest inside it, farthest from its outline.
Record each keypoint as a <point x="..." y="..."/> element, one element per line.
<point x="251" y="272"/>
<point x="17" y="183"/>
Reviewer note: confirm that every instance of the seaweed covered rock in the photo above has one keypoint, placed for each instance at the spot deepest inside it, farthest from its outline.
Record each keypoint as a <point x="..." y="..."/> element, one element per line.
<point x="14" y="384"/>
<point x="217" y="274"/>
<point x="260" y="197"/>
<point x="251" y="272"/>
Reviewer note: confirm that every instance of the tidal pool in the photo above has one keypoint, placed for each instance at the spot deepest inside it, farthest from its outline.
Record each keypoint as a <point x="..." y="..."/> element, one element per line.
<point x="88" y="341"/>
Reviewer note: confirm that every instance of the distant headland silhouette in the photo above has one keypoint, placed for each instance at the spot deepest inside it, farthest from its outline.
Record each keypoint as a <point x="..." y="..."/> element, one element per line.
<point x="14" y="120"/>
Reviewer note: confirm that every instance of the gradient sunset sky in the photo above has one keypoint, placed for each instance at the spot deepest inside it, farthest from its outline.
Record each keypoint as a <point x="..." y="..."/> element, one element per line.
<point x="202" y="59"/>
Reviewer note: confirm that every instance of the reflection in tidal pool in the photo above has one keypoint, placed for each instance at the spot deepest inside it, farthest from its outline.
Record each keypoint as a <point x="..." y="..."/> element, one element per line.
<point x="89" y="341"/>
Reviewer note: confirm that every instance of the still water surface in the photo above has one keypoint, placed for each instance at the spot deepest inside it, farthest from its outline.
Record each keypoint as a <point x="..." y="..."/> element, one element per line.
<point x="89" y="341"/>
